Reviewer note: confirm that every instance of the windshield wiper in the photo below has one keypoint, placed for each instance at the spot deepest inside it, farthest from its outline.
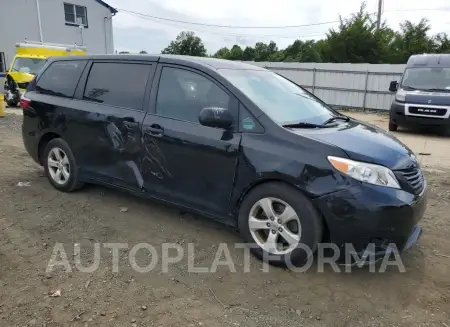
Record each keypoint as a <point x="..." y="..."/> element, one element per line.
<point x="333" y="119"/>
<point x="437" y="90"/>
<point x="302" y="125"/>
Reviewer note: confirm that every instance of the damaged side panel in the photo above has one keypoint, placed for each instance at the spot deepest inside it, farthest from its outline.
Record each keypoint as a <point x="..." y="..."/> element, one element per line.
<point x="189" y="164"/>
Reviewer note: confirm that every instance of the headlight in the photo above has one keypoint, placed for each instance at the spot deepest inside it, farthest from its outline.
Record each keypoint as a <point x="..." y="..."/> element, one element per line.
<point x="364" y="172"/>
<point x="400" y="95"/>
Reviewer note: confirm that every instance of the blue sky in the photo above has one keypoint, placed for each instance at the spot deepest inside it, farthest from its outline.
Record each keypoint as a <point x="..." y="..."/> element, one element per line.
<point x="132" y="33"/>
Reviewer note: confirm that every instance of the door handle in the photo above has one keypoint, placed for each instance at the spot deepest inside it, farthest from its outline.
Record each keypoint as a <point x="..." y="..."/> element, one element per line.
<point x="154" y="130"/>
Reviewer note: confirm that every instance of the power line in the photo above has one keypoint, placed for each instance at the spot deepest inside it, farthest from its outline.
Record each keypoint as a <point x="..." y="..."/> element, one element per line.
<point x="267" y="27"/>
<point x="223" y="26"/>
<point x="196" y="29"/>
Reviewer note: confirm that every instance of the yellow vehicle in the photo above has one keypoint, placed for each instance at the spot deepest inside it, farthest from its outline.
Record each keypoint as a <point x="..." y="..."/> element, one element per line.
<point x="30" y="58"/>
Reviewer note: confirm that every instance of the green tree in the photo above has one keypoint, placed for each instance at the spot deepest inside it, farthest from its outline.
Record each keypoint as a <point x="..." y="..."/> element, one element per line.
<point x="143" y="52"/>
<point x="442" y="43"/>
<point x="248" y="54"/>
<point x="300" y="51"/>
<point x="412" y="39"/>
<point x="186" y="43"/>
<point x="356" y="40"/>
<point x="222" y="53"/>
<point x="236" y="53"/>
<point x="123" y="52"/>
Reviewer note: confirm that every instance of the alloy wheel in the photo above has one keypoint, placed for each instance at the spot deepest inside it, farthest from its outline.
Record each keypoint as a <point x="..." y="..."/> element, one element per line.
<point x="58" y="166"/>
<point x="274" y="226"/>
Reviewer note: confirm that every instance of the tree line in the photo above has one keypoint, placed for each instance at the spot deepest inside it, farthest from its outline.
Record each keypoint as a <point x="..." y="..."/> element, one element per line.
<point x="356" y="40"/>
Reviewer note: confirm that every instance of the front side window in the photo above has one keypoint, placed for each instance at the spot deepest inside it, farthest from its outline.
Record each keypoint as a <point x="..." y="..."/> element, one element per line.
<point x="283" y="101"/>
<point x="61" y="78"/>
<point x="183" y="94"/>
<point x="76" y="15"/>
<point x="117" y="84"/>
<point x="28" y="65"/>
<point x="426" y="78"/>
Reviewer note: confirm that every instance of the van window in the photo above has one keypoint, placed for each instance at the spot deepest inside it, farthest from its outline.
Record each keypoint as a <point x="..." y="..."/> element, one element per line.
<point x="61" y="78"/>
<point x="426" y="78"/>
<point x="182" y="94"/>
<point x="117" y="84"/>
<point x="28" y="65"/>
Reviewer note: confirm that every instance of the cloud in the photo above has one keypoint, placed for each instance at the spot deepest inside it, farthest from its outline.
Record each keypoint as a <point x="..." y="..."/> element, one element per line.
<point x="135" y="33"/>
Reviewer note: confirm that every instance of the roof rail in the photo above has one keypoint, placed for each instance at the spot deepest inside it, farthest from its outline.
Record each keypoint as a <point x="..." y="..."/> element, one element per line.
<point x="38" y="44"/>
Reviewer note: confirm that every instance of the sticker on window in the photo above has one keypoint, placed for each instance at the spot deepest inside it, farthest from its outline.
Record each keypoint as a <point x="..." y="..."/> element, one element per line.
<point x="248" y="124"/>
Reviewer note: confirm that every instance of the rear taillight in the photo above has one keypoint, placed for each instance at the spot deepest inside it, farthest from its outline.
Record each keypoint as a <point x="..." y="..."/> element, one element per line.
<point x="25" y="103"/>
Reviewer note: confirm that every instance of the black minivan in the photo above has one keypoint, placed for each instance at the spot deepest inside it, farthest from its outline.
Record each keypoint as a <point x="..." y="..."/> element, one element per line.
<point x="228" y="140"/>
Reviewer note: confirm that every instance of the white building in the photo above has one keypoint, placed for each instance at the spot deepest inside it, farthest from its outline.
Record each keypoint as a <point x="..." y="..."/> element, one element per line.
<point x="55" y="21"/>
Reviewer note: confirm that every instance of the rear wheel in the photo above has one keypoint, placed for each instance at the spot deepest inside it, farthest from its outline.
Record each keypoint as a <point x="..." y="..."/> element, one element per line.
<point x="60" y="166"/>
<point x="279" y="223"/>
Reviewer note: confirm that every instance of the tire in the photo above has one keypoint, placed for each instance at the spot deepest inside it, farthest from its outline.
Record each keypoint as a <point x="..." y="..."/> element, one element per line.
<point x="11" y="103"/>
<point x="393" y="126"/>
<point x="280" y="194"/>
<point x="68" y="177"/>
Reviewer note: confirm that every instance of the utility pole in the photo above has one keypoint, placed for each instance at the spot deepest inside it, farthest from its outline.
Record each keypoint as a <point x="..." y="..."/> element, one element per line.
<point x="380" y="6"/>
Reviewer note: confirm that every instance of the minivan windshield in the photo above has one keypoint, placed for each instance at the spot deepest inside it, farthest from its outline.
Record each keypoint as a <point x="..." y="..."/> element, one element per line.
<point x="283" y="101"/>
<point x="28" y="65"/>
<point x="426" y="78"/>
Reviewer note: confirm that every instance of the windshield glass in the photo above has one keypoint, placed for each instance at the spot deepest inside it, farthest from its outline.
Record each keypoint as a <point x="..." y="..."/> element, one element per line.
<point x="28" y="65"/>
<point x="424" y="78"/>
<point x="280" y="99"/>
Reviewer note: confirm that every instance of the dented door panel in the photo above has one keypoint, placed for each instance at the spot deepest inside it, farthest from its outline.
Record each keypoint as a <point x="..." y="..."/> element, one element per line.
<point x="189" y="164"/>
<point x="106" y="144"/>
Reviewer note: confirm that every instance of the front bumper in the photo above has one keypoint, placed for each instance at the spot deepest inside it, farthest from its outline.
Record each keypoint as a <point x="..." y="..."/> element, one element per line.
<point x="368" y="215"/>
<point x="398" y="116"/>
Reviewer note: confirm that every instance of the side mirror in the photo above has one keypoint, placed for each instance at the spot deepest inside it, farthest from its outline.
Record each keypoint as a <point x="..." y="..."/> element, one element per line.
<point x="216" y="117"/>
<point x="393" y="86"/>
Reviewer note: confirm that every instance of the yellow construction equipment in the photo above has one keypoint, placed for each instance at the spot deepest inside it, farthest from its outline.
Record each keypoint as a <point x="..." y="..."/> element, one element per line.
<point x="30" y="58"/>
<point x="2" y="106"/>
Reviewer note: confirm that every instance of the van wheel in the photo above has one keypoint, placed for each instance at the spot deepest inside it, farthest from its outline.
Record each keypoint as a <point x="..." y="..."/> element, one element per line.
<point x="60" y="166"/>
<point x="393" y="126"/>
<point x="278" y="221"/>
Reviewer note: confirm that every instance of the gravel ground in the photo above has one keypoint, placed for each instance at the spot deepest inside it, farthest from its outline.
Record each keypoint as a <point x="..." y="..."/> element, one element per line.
<point x="34" y="218"/>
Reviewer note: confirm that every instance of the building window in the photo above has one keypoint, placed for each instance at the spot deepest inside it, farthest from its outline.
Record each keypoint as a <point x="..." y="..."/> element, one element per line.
<point x="75" y="15"/>
<point x="2" y="62"/>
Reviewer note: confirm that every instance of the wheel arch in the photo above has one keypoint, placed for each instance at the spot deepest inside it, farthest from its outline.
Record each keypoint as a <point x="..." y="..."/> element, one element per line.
<point x="252" y="186"/>
<point x="47" y="137"/>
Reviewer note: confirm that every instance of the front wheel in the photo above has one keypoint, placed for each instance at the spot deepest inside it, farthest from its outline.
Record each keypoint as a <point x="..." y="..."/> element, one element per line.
<point x="280" y="224"/>
<point x="60" y="166"/>
<point x="393" y="126"/>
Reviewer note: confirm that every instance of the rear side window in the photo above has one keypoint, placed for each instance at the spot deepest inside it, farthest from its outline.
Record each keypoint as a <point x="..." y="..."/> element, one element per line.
<point x="61" y="78"/>
<point x="117" y="84"/>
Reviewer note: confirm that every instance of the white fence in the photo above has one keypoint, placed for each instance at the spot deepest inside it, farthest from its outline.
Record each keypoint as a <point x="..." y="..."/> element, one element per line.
<point x="343" y="85"/>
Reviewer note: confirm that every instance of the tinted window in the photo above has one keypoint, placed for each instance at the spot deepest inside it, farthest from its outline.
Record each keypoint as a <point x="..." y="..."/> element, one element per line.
<point x="61" y="78"/>
<point x="248" y="123"/>
<point x="182" y="94"/>
<point x="117" y="84"/>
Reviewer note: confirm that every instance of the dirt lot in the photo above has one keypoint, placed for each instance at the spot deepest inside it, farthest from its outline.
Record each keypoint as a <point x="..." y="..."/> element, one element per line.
<point x="33" y="218"/>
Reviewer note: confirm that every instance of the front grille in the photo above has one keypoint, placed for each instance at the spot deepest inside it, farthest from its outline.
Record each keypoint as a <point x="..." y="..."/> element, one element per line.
<point x="411" y="180"/>
<point x="428" y="111"/>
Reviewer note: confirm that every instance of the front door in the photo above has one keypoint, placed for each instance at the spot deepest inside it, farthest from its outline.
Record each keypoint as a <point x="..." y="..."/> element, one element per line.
<point x="183" y="161"/>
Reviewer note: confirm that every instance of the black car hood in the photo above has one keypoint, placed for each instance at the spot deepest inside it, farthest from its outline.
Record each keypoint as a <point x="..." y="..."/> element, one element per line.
<point x="428" y="98"/>
<point x="363" y="142"/>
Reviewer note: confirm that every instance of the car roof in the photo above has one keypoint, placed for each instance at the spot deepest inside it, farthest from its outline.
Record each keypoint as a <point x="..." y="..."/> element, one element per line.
<point x="429" y="60"/>
<point x="211" y="63"/>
